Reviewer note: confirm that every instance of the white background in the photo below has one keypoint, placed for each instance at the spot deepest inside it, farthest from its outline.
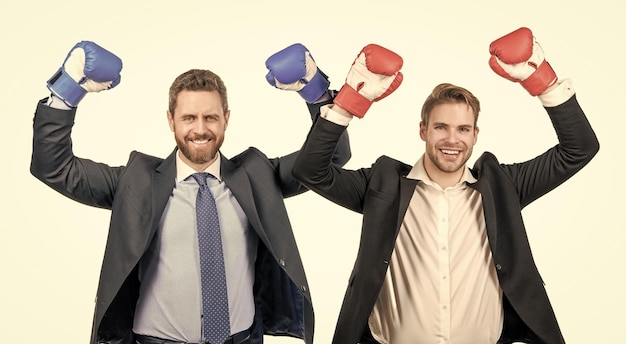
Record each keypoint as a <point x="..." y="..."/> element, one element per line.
<point x="51" y="247"/>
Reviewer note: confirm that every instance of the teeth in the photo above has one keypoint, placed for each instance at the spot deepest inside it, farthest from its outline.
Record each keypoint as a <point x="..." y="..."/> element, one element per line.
<point x="198" y="142"/>
<point x="453" y="152"/>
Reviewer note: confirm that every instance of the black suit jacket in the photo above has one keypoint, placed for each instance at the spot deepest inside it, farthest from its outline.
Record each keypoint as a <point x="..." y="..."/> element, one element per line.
<point x="382" y="194"/>
<point x="137" y="194"/>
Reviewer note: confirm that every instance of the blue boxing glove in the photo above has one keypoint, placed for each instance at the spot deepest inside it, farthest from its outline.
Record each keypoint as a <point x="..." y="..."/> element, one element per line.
<point x="293" y="69"/>
<point x="87" y="68"/>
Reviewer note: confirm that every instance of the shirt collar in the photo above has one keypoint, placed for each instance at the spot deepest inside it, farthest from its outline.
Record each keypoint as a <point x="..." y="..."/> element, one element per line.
<point x="418" y="172"/>
<point x="183" y="171"/>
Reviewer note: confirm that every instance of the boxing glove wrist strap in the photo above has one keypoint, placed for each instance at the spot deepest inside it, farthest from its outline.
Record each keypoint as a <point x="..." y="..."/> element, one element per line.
<point x="350" y="99"/>
<point x="72" y="92"/>
<point x="315" y="88"/>
<point x="540" y="80"/>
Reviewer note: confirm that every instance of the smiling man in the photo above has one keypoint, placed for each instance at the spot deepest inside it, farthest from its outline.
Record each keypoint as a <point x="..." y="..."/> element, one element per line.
<point x="443" y="255"/>
<point x="449" y="128"/>
<point x="199" y="127"/>
<point x="200" y="248"/>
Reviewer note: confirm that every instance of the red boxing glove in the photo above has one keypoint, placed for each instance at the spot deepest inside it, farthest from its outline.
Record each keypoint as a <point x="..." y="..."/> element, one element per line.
<point x="519" y="58"/>
<point x="374" y="74"/>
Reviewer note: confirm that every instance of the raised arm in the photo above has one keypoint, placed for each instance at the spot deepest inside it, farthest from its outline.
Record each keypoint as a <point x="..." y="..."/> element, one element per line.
<point x="518" y="57"/>
<point x="294" y="69"/>
<point x="374" y="75"/>
<point x="87" y="68"/>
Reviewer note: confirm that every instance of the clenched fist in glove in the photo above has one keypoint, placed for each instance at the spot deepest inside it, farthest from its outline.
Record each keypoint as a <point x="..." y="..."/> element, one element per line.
<point x="518" y="57"/>
<point x="87" y="68"/>
<point x="293" y="69"/>
<point x="374" y="74"/>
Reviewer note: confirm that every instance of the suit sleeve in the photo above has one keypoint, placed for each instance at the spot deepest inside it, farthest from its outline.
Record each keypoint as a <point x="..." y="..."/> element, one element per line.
<point x="342" y="151"/>
<point x="314" y="168"/>
<point x="53" y="161"/>
<point x="339" y="156"/>
<point x="577" y="145"/>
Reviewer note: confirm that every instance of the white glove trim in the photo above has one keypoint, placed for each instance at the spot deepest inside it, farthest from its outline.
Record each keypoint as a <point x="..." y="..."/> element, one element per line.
<point x="558" y="95"/>
<point x="331" y="115"/>
<point x="57" y="103"/>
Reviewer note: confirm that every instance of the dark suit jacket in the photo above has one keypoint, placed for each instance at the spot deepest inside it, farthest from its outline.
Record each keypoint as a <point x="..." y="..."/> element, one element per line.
<point x="382" y="194"/>
<point x="137" y="194"/>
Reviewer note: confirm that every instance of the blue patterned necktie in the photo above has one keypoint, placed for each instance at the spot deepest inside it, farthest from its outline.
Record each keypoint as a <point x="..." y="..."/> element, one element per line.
<point x="215" y="316"/>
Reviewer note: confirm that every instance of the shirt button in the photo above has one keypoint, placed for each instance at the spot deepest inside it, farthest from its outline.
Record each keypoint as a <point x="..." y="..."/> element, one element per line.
<point x="498" y="267"/>
<point x="281" y="262"/>
<point x="444" y="307"/>
<point x="303" y="288"/>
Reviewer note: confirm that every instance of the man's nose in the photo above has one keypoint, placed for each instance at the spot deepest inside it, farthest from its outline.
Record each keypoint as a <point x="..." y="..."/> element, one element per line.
<point x="200" y="126"/>
<point x="452" y="135"/>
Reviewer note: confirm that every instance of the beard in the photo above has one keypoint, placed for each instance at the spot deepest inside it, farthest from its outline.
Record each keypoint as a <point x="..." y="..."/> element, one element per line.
<point x="199" y="155"/>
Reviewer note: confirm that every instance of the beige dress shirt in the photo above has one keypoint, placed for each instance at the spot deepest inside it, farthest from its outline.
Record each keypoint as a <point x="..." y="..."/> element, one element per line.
<point x="441" y="286"/>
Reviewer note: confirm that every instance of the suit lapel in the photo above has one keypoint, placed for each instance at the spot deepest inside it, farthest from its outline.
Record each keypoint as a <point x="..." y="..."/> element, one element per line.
<point x="407" y="187"/>
<point x="489" y="211"/>
<point x="163" y="182"/>
<point x="237" y="180"/>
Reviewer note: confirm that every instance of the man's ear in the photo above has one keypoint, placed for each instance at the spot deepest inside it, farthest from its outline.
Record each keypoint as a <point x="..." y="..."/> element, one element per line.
<point x="226" y="117"/>
<point x="170" y="120"/>
<point x="422" y="131"/>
